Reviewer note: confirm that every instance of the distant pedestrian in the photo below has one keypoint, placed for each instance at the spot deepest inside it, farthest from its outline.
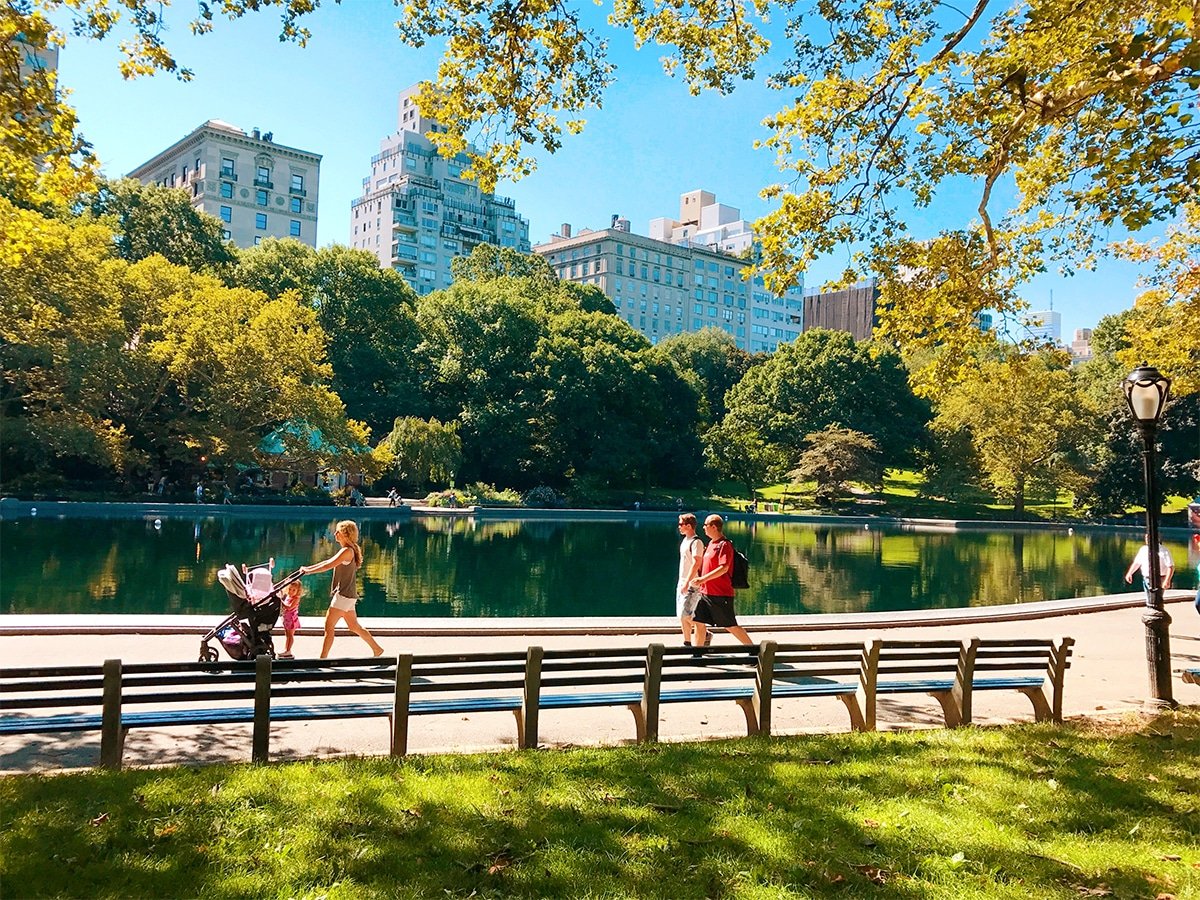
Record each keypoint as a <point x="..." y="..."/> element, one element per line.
<point x="715" y="581"/>
<point x="344" y="590"/>
<point x="393" y="497"/>
<point x="199" y="492"/>
<point x="691" y="557"/>
<point x="226" y="494"/>
<point x="162" y="486"/>
<point x="1141" y="561"/>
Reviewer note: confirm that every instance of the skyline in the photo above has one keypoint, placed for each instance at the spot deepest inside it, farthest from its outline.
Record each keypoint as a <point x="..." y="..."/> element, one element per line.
<point x="338" y="98"/>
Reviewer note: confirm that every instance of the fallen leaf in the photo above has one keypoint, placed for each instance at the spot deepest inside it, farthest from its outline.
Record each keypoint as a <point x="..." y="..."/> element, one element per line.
<point x="870" y="823"/>
<point x="100" y="819"/>
<point x="1165" y="897"/>
<point x="874" y="873"/>
<point x="1171" y="857"/>
<point x="1100" y="890"/>
<point x="499" y="864"/>
<point x="165" y="830"/>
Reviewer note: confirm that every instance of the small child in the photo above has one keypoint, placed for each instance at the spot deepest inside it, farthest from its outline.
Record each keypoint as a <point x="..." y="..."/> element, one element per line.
<point x="291" y="616"/>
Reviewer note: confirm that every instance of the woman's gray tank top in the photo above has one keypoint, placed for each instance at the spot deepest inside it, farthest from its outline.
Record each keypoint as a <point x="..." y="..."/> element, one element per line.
<point x="343" y="579"/>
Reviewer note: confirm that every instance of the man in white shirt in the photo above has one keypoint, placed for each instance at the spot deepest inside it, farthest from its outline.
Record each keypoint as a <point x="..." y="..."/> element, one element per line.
<point x="691" y="555"/>
<point x="1141" y="561"/>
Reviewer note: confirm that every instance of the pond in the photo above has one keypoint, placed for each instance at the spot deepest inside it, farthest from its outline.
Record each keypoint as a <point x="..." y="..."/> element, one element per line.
<point x="462" y="568"/>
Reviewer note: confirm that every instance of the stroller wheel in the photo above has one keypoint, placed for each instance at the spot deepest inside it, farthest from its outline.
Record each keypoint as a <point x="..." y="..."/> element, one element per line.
<point x="208" y="654"/>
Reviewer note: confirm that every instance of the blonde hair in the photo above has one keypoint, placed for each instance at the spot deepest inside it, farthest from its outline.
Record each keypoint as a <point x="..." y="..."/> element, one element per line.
<point x="350" y="530"/>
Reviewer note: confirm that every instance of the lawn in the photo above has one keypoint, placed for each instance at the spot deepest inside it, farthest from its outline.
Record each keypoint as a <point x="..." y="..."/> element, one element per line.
<point x="1085" y="810"/>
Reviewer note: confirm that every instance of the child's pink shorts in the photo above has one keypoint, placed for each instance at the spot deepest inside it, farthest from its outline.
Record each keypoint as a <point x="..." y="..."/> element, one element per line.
<point x="291" y="619"/>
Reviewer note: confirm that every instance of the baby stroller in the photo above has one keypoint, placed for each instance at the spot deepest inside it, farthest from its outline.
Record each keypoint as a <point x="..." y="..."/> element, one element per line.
<point x="246" y="632"/>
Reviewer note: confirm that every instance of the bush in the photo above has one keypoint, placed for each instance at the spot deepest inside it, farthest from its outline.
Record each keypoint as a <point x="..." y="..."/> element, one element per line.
<point x="543" y="497"/>
<point x="448" y="499"/>
<point x="486" y="495"/>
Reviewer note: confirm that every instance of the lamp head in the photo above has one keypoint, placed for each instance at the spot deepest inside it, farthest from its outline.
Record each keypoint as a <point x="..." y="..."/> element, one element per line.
<point x="1146" y="392"/>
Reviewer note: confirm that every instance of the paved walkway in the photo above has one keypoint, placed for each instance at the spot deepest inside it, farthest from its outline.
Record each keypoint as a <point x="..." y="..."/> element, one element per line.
<point x="1108" y="676"/>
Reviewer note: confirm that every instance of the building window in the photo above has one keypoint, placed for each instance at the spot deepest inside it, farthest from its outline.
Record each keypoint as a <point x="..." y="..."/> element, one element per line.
<point x="428" y="206"/>
<point x="297" y="184"/>
<point x="260" y="197"/>
<point x="227" y="235"/>
<point x="294" y="228"/>
<point x="226" y="190"/>
<point x="257" y="240"/>
<point x="260" y="221"/>
<point x="263" y="177"/>
<point x="226" y="214"/>
<point x="296" y="206"/>
<point x="427" y="257"/>
<point x="227" y="168"/>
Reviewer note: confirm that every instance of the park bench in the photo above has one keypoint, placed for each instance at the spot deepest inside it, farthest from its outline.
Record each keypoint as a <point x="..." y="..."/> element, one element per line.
<point x="1191" y="676"/>
<point x="952" y="671"/>
<point x="114" y="698"/>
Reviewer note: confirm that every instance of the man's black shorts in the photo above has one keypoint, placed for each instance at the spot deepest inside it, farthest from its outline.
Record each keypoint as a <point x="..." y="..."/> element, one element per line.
<point x="715" y="611"/>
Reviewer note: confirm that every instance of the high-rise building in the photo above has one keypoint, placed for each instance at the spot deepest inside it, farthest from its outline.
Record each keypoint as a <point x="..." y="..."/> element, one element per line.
<point x="1043" y="325"/>
<point x="703" y="222"/>
<point x="663" y="288"/>
<point x="417" y="212"/>
<point x="258" y="188"/>
<point x="1081" y="346"/>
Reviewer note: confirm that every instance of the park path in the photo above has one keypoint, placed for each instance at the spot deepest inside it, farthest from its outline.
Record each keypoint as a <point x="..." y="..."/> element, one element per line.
<point x="1108" y="676"/>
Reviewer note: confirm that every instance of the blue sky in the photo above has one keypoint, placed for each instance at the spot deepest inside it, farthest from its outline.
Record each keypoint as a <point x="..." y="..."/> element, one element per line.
<point x="651" y="142"/>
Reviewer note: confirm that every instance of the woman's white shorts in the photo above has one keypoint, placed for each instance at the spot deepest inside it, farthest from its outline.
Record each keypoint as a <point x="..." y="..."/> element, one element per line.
<point x="342" y="602"/>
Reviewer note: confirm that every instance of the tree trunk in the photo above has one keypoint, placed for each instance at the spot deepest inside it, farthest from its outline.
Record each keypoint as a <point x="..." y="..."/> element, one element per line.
<point x="1019" y="499"/>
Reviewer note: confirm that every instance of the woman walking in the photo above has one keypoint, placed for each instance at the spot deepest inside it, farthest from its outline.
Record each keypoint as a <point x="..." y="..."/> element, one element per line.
<point x="343" y="591"/>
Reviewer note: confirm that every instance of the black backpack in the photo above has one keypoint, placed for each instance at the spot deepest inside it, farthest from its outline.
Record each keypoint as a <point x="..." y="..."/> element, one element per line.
<point x="740" y="576"/>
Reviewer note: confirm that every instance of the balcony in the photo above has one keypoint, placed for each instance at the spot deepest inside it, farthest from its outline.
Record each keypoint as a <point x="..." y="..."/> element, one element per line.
<point x="229" y="174"/>
<point x="407" y="223"/>
<point x="263" y="183"/>
<point x="297" y="192"/>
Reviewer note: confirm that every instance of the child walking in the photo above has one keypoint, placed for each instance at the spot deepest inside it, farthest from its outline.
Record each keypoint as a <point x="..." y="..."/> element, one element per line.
<point x="343" y="591"/>
<point x="291" y="616"/>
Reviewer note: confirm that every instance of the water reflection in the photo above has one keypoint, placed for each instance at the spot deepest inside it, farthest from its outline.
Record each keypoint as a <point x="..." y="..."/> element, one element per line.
<point x="462" y="568"/>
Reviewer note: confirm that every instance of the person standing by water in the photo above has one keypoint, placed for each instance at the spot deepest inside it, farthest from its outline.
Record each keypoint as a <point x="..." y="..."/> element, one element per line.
<point x="1141" y="560"/>
<point x="691" y="557"/>
<point x="715" y="582"/>
<point x="344" y="590"/>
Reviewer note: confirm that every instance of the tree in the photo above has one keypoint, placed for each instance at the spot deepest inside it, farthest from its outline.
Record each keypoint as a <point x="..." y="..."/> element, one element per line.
<point x="424" y="450"/>
<point x="149" y="219"/>
<point x="1164" y="328"/>
<point x="712" y="362"/>
<point x="125" y="367"/>
<point x="827" y="378"/>
<point x="1023" y="414"/>
<point x="367" y="314"/>
<point x="835" y="456"/>
<point x="487" y="262"/>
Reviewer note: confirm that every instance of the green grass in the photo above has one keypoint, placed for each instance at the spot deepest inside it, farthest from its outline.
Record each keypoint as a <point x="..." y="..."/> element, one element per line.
<point x="1033" y="811"/>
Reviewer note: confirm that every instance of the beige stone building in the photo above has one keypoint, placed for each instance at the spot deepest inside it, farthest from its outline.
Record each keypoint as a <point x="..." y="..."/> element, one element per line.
<point x="663" y="288"/>
<point x="257" y="187"/>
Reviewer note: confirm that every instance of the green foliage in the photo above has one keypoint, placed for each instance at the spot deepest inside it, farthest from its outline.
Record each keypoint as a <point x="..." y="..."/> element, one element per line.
<point x="543" y="497"/>
<point x="424" y="451"/>
<point x="835" y="456"/>
<point x="1023" y="414"/>
<point x="367" y="314"/>
<point x="152" y="219"/>
<point x="825" y="378"/>
<point x="122" y="367"/>
<point x="711" y="362"/>
<point x="1017" y="812"/>
<point x="488" y="262"/>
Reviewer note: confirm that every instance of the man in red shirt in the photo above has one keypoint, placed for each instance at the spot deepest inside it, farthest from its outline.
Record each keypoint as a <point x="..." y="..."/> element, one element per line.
<point x="715" y="582"/>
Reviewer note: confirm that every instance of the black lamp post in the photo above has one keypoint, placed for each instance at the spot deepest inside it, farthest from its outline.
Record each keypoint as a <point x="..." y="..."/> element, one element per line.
<point x="1146" y="392"/>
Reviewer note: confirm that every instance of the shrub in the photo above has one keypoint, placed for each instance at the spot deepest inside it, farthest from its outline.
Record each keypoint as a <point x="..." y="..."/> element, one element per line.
<point x="450" y="499"/>
<point x="487" y="495"/>
<point x="543" y="497"/>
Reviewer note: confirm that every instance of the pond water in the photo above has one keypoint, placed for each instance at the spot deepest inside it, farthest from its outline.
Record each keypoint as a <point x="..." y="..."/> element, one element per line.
<point x="464" y="569"/>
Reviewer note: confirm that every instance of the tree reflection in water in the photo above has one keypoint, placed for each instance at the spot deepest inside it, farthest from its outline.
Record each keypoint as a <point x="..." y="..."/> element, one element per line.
<point x="465" y="568"/>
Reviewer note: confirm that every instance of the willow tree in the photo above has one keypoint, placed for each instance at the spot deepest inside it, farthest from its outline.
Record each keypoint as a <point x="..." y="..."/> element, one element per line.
<point x="1062" y="118"/>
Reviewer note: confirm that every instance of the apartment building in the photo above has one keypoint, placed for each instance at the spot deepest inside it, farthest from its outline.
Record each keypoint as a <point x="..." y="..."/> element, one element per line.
<point x="1043" y="325"/>
<point x="663" y="288"/>
<point x="853" y="309"/>
<point x="257" y="187"/>
<point x="417" y="212"/>
<point x="703" y="222"/>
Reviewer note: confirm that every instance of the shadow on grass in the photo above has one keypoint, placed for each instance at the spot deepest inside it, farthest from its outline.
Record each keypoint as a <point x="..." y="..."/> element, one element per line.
<point x="1022" y="811"/>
